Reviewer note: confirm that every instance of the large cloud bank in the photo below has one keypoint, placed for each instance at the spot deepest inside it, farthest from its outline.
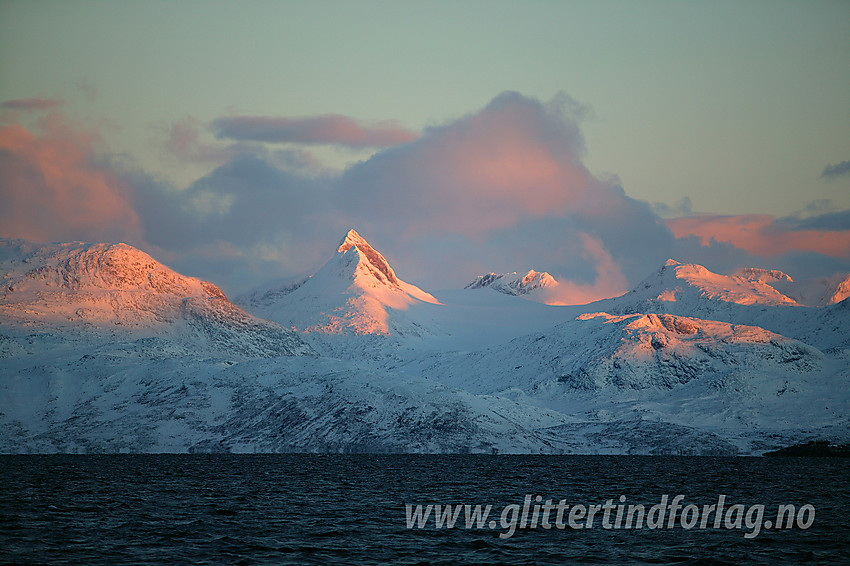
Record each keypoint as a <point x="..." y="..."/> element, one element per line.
<point x="501" y="189"/>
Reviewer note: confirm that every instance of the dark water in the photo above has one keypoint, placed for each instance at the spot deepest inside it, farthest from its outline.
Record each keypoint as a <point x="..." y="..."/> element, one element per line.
<point x="310" y="509"/>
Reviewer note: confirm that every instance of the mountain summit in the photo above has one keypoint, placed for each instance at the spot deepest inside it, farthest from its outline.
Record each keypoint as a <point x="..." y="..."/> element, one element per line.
<point x="374" y="263"/>
<point x="354" y="292"/>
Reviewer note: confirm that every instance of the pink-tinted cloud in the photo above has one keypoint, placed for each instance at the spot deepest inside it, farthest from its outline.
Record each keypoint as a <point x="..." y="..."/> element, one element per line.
<point x="51" y="188"/>
<point x="32" y="103"/>
<point x="510" y="181"/>
<point x="609" y="281"/>
<point x="330" y="129"/>
<point x="502" y="189"/>
<point x="763" y="235"/>
<point x="515" y="157"/>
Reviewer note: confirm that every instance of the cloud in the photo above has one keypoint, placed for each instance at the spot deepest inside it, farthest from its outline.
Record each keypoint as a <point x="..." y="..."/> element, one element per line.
<point x="501" y="189"/>
<point x="683" y="207"/>
<point x="188" y="149"/>
<point x="609" y="280"/>
<point x="184" y="142"/>
<point x="53" y="189"/>
<point x="247" y="221"/>
<point x="482" y="172"/>
<point x="834" y="171"/>
<point x="765" y="235"/>
<point x="837" y="221"/>
<point x="814" y="242"/>
<point x="32" y="103"/>
<point x="510" y="179"/>
<point x="330" y="129"/>
<point x="249" y="200"/>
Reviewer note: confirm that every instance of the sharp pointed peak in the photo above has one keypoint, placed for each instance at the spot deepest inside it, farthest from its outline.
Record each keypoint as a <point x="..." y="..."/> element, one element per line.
<point x="372" y="256"/>
<point x="352" y="238"/>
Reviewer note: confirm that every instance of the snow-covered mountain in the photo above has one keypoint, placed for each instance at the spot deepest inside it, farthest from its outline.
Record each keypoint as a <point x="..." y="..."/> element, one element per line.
<point x="354" y="292"/>
<point x="106" y="291"/>
<point x="104" y="349"/>
<point x="693" y="290"/>
<point x="837" y="289"/>
<point x="768" y="276"/>
<point x="690" y="283"/>
<point x="531" y="283"/>
<point x="352" y="305"/>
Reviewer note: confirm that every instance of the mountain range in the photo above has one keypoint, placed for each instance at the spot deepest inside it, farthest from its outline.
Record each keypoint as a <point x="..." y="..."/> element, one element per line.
<point x="104" y="349"/>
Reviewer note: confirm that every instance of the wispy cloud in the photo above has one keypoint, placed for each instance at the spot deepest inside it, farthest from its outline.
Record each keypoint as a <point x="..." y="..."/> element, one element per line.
<point x="184" y="141"/>
<point x="330" y="129"/>
<point x="767" y="236"/>
<point x="837" y="221"/>
<point x="834" y="171"/>
<point x="683" y="207"/>
<point x="32" y="103"/>
<point x="609" y="280"/>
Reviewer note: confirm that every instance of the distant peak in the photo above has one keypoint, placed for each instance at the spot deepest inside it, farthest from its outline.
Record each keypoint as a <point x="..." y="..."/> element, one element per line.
<point x="513" y="283"/>
<point x="671" y="263"/>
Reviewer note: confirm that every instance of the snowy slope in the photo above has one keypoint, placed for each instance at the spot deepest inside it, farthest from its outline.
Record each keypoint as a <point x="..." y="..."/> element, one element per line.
<point x="93" y="284"/>
<point x="838" y="289"/>
<point x="356" y="307"/>
<point x="104" y="349"/>
<point x="155" y="396"/>
<point x="599" y="351"/>
<point x="739" y="383"/>
<point x="769" y="276"/>
<point x="686" y="346"/>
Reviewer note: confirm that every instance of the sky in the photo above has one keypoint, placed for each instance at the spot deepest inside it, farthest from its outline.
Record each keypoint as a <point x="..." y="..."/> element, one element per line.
<point x="238" y="141"/>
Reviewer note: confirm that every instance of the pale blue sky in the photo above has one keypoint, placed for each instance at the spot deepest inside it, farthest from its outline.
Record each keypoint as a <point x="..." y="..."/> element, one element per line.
<point x="737" y="105"/>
